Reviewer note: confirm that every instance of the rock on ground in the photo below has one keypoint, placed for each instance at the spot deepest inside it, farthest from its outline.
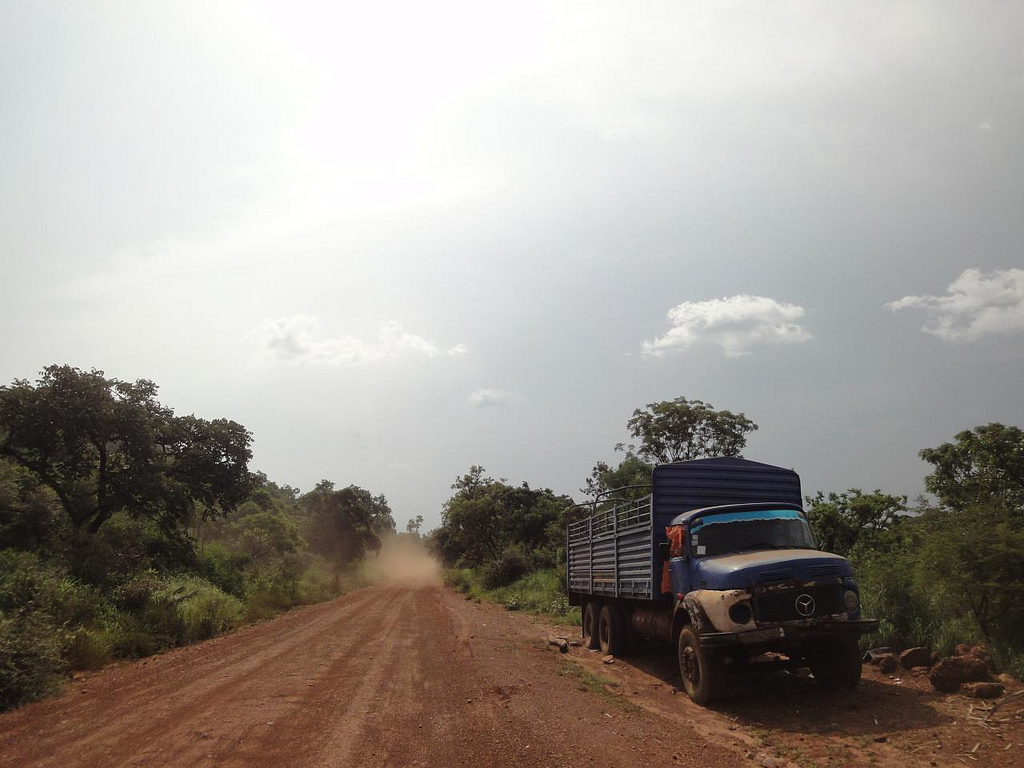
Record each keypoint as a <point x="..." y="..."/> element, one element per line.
<point x="950" y="673"/>
<point x="916" y="657"/>
<point x="982" y="690"/>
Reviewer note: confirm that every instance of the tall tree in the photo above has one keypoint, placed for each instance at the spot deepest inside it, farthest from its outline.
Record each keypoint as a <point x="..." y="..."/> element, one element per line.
<point x="984" y="465"/>
<point x="485" y="516"/>
<point x="345" y="524"/>
<point x="681" y="429"/>
<point x="106" y="446"/>
<point x="631" y="471"/>
<point x="844" y="521"/>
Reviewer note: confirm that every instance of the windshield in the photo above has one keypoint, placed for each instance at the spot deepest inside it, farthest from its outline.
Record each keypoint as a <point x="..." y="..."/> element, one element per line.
<point x="719" y="534"/>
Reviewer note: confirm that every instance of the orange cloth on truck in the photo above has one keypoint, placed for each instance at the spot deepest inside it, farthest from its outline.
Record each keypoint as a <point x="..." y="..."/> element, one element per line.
<point x="676" y="539"/>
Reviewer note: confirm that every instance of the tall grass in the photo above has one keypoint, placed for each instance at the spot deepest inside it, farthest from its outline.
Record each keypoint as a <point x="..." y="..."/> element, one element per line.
<point x="541" y="592"/>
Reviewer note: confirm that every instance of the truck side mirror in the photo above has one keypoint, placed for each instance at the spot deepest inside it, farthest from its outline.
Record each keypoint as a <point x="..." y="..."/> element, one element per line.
<point x="664" y="550"/>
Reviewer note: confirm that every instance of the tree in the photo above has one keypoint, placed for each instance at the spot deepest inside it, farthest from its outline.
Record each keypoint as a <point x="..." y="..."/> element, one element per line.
<point x="485" y="517"/>
<point x="413" y="526"/>
<point x="983" y="466"/>
<point x="266" y="535"/>
<point x="345" y="524"/>
<point x="31" y="519"/>
<point x="844" y="521"/>
<point x="105" y="446"/>
<point x="632" y="470"/>
<point x="681" y="429"/>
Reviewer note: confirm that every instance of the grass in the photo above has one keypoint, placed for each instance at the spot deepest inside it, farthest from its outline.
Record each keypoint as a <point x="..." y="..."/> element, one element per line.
<point x="587" y="681"/>
<point x="538" y="593"/>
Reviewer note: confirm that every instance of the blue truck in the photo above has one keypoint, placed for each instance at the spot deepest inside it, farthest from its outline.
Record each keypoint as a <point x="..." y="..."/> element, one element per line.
<point x="718" y="560"/>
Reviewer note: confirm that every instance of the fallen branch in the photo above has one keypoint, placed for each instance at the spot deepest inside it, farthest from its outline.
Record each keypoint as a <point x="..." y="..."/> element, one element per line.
<point x="1000" y="703"/>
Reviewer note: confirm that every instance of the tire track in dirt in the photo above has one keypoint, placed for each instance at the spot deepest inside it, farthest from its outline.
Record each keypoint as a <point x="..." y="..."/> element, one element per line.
<point x="136" y="714"/>
<point x="392" y="676"/>
<point x="285" y="666"/>
<point x="327" y="718"/>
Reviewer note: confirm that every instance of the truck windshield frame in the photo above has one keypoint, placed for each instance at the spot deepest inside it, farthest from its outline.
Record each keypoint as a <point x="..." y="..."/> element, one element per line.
<point x="723" y="533"/>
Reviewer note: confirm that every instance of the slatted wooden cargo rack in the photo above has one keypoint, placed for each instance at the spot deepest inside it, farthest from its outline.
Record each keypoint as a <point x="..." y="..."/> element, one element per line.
<point x="610" y="552"/>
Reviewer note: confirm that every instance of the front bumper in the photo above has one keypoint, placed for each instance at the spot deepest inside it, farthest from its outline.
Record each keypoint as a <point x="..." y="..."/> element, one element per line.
<point x="788" y="632"/>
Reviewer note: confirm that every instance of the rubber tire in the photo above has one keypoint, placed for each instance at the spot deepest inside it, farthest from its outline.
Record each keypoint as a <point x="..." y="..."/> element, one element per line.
<point x="611" y="632"/>
<point x="591" y="639"/>
<point x="836" y="664"/>
<point x="701" y="670"/>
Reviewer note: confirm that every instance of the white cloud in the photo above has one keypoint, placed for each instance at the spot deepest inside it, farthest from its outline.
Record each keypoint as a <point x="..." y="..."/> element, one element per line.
<point x="733" y="324"/>
<point x="298" y="340"/>
<point x="459" y="350"/>
<point x="976" y="304"/>
<point x="485" y="397"/>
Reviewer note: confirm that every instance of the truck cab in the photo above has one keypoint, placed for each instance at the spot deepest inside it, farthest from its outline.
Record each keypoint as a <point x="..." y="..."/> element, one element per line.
<point x="749" y="579"/>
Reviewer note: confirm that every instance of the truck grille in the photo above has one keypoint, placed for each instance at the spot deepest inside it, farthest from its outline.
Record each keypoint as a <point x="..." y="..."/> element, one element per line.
<point x="782" y="606"/>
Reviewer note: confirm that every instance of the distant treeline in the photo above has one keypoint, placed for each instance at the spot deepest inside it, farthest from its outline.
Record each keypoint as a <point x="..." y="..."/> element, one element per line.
<point x="125" y="529"/>
<point x="936" y="573"/>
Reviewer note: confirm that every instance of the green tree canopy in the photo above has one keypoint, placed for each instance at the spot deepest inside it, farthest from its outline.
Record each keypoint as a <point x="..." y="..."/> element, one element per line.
<point x="104" y="446"/>
<point x="984" y="465"/>
<point x="681" y="429"/>
<point x="484" y="517"/>
<point x="843" y="521"/>
<point x="345" y="524"/>
<point x="265" y="535"/>
<point x="413" y="526"/>
<point x="632" y="470"/>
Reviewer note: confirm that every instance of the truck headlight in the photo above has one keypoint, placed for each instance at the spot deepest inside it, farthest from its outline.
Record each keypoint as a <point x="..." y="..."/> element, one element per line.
<point x="852" y="600"/>
<point x="740" y="613"/>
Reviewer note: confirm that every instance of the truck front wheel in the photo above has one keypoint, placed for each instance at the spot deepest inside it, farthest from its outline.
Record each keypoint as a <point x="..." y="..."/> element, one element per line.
<point x="836" y="664"/>
<point x="591" y="639"/>
<point x="701" y="670"/>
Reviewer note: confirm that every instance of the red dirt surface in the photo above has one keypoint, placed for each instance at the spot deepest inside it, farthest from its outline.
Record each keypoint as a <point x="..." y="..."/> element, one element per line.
<point x="385" y="676"/>
<point x="778" y="719"/>
<point x="393" y="676"/>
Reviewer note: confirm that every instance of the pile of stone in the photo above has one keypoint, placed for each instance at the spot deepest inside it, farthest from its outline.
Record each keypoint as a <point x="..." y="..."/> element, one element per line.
<point x="969" y="671"/>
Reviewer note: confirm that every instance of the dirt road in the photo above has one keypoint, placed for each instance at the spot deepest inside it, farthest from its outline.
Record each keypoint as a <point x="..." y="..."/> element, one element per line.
<point x="392" y="676"/>
<point x="384" y="676"/>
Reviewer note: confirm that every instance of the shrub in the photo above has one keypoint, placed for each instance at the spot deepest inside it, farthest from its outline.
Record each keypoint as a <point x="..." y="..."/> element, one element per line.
<point x="31" y="665"/>
<point x="185" y="610"/>
<point x="88" y="648"/>
<point x="506" y="568"/>
<point x="224" y="568"/>
<point x="460" y="579"/>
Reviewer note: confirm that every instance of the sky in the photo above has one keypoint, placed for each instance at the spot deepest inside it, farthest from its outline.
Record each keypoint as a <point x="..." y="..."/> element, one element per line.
<point x="397" y="239"/>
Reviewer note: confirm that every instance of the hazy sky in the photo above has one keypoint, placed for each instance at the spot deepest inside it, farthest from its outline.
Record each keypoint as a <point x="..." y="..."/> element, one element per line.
<point x="398" y="239"/>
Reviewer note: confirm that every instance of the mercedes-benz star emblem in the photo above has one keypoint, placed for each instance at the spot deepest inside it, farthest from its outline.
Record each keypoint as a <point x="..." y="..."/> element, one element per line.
<point x="805" y="605"/>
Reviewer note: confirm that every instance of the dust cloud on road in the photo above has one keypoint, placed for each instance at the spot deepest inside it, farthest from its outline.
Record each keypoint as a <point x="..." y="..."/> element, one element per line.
<point x="403" y="560"/>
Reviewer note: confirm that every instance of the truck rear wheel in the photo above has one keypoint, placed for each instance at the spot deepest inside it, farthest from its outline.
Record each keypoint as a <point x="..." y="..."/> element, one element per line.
<point x="591" y="639"/>
<point x="701" y="669"/>
<point x="611" y="631"/>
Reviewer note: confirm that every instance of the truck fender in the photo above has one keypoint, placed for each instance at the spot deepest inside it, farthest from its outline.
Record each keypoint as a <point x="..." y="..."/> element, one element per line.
<point x="689" y="611"/>
<point x="698" y="618"/>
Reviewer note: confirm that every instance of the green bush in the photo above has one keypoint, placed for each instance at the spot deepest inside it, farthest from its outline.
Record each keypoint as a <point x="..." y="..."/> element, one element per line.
<point x="31" y="664"/>
<point x="187" y="609"/>
<point x="129" y="642"/>
<point x="224" y="568"/>
<point x="88" y="648"/>
<point x="460" y="579"/>
<point x="510" y="565"/>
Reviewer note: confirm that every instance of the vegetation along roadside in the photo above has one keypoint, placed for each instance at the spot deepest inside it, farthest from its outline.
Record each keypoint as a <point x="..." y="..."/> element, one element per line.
<point x="126" y="529"/>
